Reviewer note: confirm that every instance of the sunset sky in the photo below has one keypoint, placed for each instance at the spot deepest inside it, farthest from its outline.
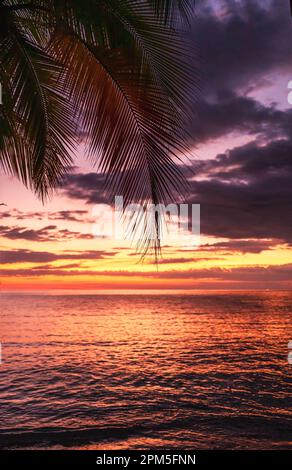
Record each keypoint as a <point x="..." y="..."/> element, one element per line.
<point x="241" y="176"/>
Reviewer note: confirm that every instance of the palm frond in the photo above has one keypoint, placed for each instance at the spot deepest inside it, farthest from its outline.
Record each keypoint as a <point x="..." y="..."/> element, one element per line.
<point x="175" y="12"/>
<point x="126" y="119"/>
<point x="134" y="27"/>
<point x="129" y="78"/>
<point x="37" y="110"/>
<point x="121" y="69"/>
<point x="168" y="53"/>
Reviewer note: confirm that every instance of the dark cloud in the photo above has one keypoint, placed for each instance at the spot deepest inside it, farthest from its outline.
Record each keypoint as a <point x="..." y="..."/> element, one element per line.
<point x="28" y="256"/>
<point x="198" y="259"/>
<point x="232" y="113"/>
<point x="70" y="216"/>
<point x="241" y="45"/>
<point x="48" y="271"/>
<point x="47" y="267"/>
<point x="88" y="187"/>
<point x="49" y="233"/>
<point x="245" y="273"/>
<point x="241" y="246"/>
<point x="247" y="193"/>
<point x="66" y="215"/>
<point x="173" y="261"/>
<point x="249" y="163"/>
<point x="95" y="188"/>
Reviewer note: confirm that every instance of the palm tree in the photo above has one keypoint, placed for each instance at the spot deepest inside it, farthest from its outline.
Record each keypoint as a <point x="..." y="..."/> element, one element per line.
<point x="112" y="73"/>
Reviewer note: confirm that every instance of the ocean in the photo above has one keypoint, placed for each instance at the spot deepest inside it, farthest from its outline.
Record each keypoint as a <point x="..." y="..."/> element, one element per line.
<point x="206" y="370"/>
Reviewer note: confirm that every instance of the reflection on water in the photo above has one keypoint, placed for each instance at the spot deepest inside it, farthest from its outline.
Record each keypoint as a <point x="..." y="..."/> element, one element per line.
<point x="136" y="371"/>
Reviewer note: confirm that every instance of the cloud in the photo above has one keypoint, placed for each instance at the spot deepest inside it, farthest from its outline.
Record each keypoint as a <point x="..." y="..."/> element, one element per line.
<point x="174" y="260"/>
<point x="261" y="276"/>
<point x="88" y="187"/>
<point x="244" y="43"/>
<point x="28" y="256"/>
<point x="65" y="215"/>
<point x="70" y="216"/>
<point x="250" y="163"/>
<point x="229" y="113"/>
<point x="49" y="267"/>
<point x="241" y="246"/>
<point x="247" y="193"/>
<point x="50" y="233"/>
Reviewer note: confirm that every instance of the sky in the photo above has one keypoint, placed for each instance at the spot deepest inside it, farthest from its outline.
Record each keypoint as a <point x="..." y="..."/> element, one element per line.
<point x="241" y="173"/>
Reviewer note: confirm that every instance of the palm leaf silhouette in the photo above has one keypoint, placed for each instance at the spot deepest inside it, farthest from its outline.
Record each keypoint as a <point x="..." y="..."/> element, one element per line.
<point x="116" y="73"/>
